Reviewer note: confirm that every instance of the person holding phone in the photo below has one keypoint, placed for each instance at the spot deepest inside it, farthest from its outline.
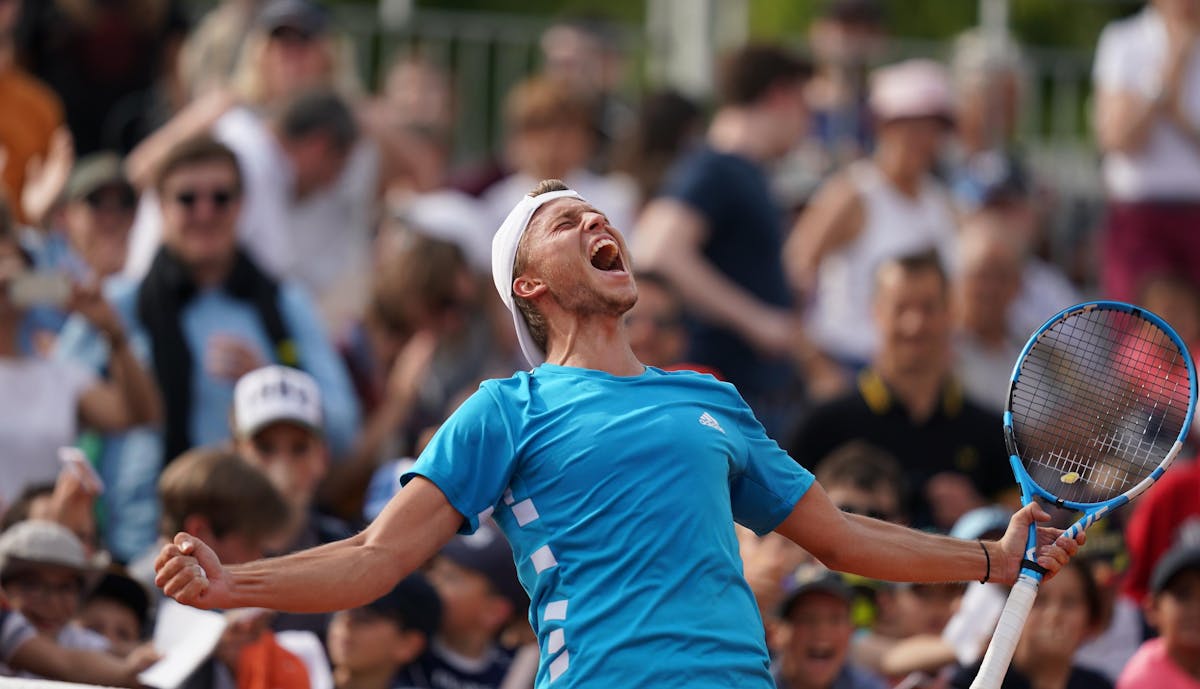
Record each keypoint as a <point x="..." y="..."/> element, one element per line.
<point x="42" y="402"/>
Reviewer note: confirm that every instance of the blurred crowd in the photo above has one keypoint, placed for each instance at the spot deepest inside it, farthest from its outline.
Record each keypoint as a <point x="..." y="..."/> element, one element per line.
<point x="240" y="289"/>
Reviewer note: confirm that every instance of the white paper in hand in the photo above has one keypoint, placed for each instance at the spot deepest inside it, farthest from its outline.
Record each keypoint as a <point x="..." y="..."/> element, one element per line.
<point x="186" y="637"/>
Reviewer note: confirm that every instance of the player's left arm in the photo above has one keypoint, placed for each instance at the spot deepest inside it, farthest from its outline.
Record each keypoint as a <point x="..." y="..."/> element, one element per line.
<point x="882" y="550"/>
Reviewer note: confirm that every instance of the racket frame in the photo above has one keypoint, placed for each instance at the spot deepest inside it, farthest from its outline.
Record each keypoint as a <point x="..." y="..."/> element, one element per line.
<point x="1020" y="600"/>
<point x="1091" y="510"/>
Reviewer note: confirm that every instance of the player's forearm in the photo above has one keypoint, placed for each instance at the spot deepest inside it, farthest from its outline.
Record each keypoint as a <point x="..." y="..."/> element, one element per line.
<point x="882" y="550"/>
<point x="336" y="576"/>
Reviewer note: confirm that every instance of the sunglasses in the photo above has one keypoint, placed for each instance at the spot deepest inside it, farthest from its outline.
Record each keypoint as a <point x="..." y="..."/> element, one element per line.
<point x="111" y="199"/>
<point x="220" y="198"/>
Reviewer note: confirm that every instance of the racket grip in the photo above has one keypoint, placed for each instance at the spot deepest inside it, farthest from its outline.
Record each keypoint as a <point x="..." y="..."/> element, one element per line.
<point x="1008" y="632"/>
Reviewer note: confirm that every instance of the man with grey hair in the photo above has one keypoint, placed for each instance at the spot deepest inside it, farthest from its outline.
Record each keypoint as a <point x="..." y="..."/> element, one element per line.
<point x="616" y="484"/>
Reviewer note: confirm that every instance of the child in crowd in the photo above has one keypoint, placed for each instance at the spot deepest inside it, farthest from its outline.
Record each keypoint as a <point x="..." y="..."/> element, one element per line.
<point x="117" y="609"/>
<point x="477" y="582"/>
<point x="45" y="570"/>
<point x="814" y="642"/>
<point x="1171" y="661"/>
<point x="369" y="646"/>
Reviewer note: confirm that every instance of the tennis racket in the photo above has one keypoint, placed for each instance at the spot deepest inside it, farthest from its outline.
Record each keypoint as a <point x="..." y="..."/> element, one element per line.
<point x="1099" y="404"/>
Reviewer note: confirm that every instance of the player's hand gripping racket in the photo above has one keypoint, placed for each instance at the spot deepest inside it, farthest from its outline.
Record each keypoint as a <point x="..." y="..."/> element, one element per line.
<point x="1100" y="401"/>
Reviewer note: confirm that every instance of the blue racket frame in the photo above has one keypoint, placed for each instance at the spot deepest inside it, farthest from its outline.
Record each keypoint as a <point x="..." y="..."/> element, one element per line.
<point x="1091" y="510"/>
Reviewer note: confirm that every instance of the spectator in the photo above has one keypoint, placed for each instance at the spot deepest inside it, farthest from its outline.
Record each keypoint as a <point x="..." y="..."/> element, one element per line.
<point x="1147" y="75"/>
<point x="1120" y="629"/>
<point x="1171" y="661"/>
<point x="422" y="343"/>
<point x="586" y="54"/>
<point x="278" y="427"/>
<point x="46" y="401"/>
<point x="862" y="479"/>
<point x="876" y="209"/>
<point x="31" y="116"/>
<point x="210" y="52"/>
<point x="1066" y="611"/>
<point x="117" y="608"/>
<point x="215" y="494"/>
<point x="550" y="136"/>
<point x="99" y="203"/>
<point x="69" y="501"/>
<point x="985" y="287"/>
<point x="908" y="402"/>
<point x="1167" y="515"/>
<point x="846" y="37"/>
<point x="989" y="77"/>
<point x="45" y="571"/>
<point x="203" y="316"/>
<point x="816" y="614"/>
<point x="369" y="646"/>
<point x="112" y="63"/>
<point x="476" y="580"/>
<point x="668" y="126"/>
<point x="1044" y="288"/>
<point x="309" y="193"/>
<point x="716" y="234"/>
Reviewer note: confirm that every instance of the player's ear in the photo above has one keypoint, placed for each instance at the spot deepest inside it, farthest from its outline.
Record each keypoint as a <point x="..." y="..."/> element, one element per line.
<point x="528" y="287"/>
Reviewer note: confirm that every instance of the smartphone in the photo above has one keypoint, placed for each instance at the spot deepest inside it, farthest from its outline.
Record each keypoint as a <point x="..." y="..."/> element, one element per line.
<point x="40" y="288"/>
<point x="74" y="460"/>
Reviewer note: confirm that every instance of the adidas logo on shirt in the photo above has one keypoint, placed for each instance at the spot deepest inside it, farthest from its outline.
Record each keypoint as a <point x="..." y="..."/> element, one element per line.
<point x="706" y="419"/>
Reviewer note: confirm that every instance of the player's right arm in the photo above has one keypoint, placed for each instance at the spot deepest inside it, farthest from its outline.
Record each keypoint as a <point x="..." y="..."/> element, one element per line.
<point x="349" y="573"/>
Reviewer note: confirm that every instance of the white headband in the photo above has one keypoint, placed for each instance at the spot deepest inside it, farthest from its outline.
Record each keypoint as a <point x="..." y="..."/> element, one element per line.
<point x="504" y="254"/>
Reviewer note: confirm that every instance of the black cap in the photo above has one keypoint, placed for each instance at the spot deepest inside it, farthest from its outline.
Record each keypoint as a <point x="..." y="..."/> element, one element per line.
<point x="124" y="591"/>
<point x="810" y="578"/>
<point x="1181" y="557"/>
<point x="304" y="16"/>
<point x="486" y="551"/>
<point x="413" y="604"/>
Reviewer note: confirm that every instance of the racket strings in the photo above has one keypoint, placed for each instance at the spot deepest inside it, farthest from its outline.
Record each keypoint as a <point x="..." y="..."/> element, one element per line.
<point x="1097" y="403"/>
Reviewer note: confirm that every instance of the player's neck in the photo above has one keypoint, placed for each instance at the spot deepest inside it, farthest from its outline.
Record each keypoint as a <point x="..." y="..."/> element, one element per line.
<point x="599" y="344"/>
<point x="374" y="678"/>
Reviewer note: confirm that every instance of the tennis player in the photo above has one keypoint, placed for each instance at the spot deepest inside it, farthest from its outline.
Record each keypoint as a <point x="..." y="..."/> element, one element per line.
<point x="617" y="485"/>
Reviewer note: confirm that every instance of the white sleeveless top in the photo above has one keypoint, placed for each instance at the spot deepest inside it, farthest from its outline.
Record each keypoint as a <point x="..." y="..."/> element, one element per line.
<point x="839" y="319"/>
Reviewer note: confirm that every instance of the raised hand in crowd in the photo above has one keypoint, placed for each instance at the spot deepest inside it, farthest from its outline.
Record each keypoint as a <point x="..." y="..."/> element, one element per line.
<point x="45" y="177"/>
<point x="231" y="357"/>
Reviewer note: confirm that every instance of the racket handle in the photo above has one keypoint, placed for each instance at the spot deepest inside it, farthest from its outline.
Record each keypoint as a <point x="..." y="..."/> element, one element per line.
<point x="1008" y="632"/>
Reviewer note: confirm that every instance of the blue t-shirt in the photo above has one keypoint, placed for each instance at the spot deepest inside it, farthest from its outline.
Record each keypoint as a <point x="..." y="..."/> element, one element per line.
<point x="618" y="496"/>
<point x="745" y="243"/>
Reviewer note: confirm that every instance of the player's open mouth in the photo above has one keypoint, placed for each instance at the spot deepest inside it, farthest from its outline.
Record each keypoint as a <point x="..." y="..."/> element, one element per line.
<point x="606" y="256"/>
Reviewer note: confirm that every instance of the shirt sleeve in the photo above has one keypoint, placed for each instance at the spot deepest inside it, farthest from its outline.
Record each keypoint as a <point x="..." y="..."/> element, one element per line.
<point x="338" y="402"/>
<point x="1117" y="66"/>
<point x="471" y="458"/>
<point x="15" y="630"/>
<point x="769" y="484"/>
<point x="693" y="183"/>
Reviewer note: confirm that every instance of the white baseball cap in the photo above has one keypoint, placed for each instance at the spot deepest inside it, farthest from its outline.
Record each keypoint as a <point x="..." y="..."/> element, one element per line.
<point x="504" y="253"/>
<point x="276" y="393"/>
<point x="41" y="542"/>
<point x="913" y="88"/>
